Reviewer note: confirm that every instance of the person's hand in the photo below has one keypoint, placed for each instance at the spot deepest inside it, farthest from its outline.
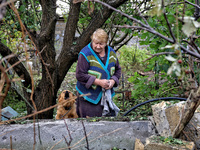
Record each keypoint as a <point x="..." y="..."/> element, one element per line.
<point x="103" y="83"/>
<point x="111" y="84"/>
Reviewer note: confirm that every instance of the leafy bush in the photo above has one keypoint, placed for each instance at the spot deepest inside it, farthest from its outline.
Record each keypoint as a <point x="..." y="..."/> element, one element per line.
<point x="13" y="101"/>
<point x="145" y="87"/>
<point x="156" y="84"/>
<point x="131" y="59"/>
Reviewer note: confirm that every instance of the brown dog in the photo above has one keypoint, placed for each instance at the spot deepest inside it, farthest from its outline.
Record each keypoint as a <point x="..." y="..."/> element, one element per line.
<point x="66" y="105"/>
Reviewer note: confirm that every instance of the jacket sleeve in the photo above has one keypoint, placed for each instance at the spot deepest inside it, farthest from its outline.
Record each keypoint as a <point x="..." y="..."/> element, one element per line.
<point x="82" y="72"/>
<point x="116" y="76"/>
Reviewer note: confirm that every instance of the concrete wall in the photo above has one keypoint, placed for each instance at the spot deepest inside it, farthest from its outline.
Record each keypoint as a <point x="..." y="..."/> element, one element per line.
<point x="102" y="135"/>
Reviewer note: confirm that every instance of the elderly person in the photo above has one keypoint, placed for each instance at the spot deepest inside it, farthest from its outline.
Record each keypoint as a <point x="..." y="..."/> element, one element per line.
<point x="97" y="71"/>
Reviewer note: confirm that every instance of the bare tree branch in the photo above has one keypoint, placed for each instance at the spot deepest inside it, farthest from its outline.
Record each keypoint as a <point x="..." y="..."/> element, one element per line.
<point x="116" y="10"/>
<point x="162" y="36"/>
<point x="147" y="29"/>
<point x="157" y="54"/>
<point x="168" y="25"/>
<point x="124" y="43"/>
<point x="192" y="4"/>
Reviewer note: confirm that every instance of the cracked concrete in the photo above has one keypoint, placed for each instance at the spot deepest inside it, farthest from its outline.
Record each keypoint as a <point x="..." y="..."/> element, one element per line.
<point x="49" y="134"/>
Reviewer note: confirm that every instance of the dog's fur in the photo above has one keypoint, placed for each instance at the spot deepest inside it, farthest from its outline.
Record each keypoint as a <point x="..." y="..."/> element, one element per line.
<point x="66" y="105"/>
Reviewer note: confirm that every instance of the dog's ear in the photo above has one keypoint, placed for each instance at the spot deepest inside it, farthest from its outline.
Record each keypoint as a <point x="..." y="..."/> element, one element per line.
<point x="66" y="94"/>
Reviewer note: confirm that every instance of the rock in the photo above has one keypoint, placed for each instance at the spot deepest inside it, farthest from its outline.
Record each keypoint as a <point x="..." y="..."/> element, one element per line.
<point x="138" y="145"/>
<point x="155" y="143"/>
<point x="166" y="117"/>
<point x="8" y="113"/>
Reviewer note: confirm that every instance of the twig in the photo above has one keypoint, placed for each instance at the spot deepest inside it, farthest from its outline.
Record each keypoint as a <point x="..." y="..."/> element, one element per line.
<point x="7" y="57"/>
<point x="106" y="134"/>
<point x="190" y="45"/>
<point x="23" y="34"/>
<point x="30" y="115"/>
<point x="146" y="27"/>
<point x="141" y="15"/>
<point x="94" y="139"/>
<point x="71" y="146"/>
<point x="66" y="142"/>
<point x="157" y="54"/>
<point x="188" y="138"/>
<point x="85" y="135"/>
<point x="168" y="25"/>
<point x="7" y="132"/>
<point x="82" y="139"/>
<point x="11" y="142"/>
<point x="151" y="30"/>
<point x="70" y="137"/>
<point x="39" y="135"/>
<point x="195" y="54"/>
<point x="23" y="28"/>
<point x="6" y="3"/>
<point x="55" y="144"/>
<point x="14" y="64"/>
<point x="192" y="4"/>
<point x="123" y="14"/>
<point x="41" y="111"/>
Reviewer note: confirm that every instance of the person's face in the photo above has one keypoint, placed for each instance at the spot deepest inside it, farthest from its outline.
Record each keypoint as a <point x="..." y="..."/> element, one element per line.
<point x="98" y="47"/>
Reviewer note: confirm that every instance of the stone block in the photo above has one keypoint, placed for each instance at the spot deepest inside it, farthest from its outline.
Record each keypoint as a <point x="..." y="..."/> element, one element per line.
<point x="154" y="143"/>
<point x="8" y="113"/>
<point x="166" y="117"/>
<point x="102" y="135"/>
<point x="138" y="145"/>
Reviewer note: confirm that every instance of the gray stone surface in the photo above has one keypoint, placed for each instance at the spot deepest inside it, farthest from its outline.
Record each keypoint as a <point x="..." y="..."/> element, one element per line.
<point x="49" y="134"/>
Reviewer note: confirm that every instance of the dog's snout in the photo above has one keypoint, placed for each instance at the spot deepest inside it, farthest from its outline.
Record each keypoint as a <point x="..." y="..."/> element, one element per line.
<point x="66" y="94"/>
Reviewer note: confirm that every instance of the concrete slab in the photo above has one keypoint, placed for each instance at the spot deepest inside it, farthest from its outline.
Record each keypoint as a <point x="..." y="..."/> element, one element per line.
<point x="49" y="135"/>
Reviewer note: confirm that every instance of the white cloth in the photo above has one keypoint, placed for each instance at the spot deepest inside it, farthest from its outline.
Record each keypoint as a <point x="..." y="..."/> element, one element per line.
<point x="107" y="103"/>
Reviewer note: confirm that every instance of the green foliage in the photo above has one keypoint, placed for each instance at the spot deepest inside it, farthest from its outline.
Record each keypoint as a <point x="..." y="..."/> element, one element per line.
<point x="144" y="87"/>
<point x="115" y="148"/>
<point x="131" y="59"/>
<point x="153" y="85"/>
<point x="182" y="25"/>
<point x="8" y="37"/>
<point x="10" y="29"/>
<point x="169" y="140"/>
<point x="14" y="102"/>
<point x="27" y="9"/>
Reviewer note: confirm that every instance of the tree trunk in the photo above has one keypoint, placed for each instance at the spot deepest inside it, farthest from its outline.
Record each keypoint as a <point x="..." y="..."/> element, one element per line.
<point x="54" y="71"/>
<point x="45" y="94"/>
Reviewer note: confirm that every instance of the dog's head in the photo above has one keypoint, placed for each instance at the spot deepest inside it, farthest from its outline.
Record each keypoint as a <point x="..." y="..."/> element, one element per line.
<point x="68" y="97"/>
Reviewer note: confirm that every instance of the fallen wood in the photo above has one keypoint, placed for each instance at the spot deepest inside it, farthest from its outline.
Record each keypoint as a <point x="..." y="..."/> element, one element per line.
<point x="188" y="111"/>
